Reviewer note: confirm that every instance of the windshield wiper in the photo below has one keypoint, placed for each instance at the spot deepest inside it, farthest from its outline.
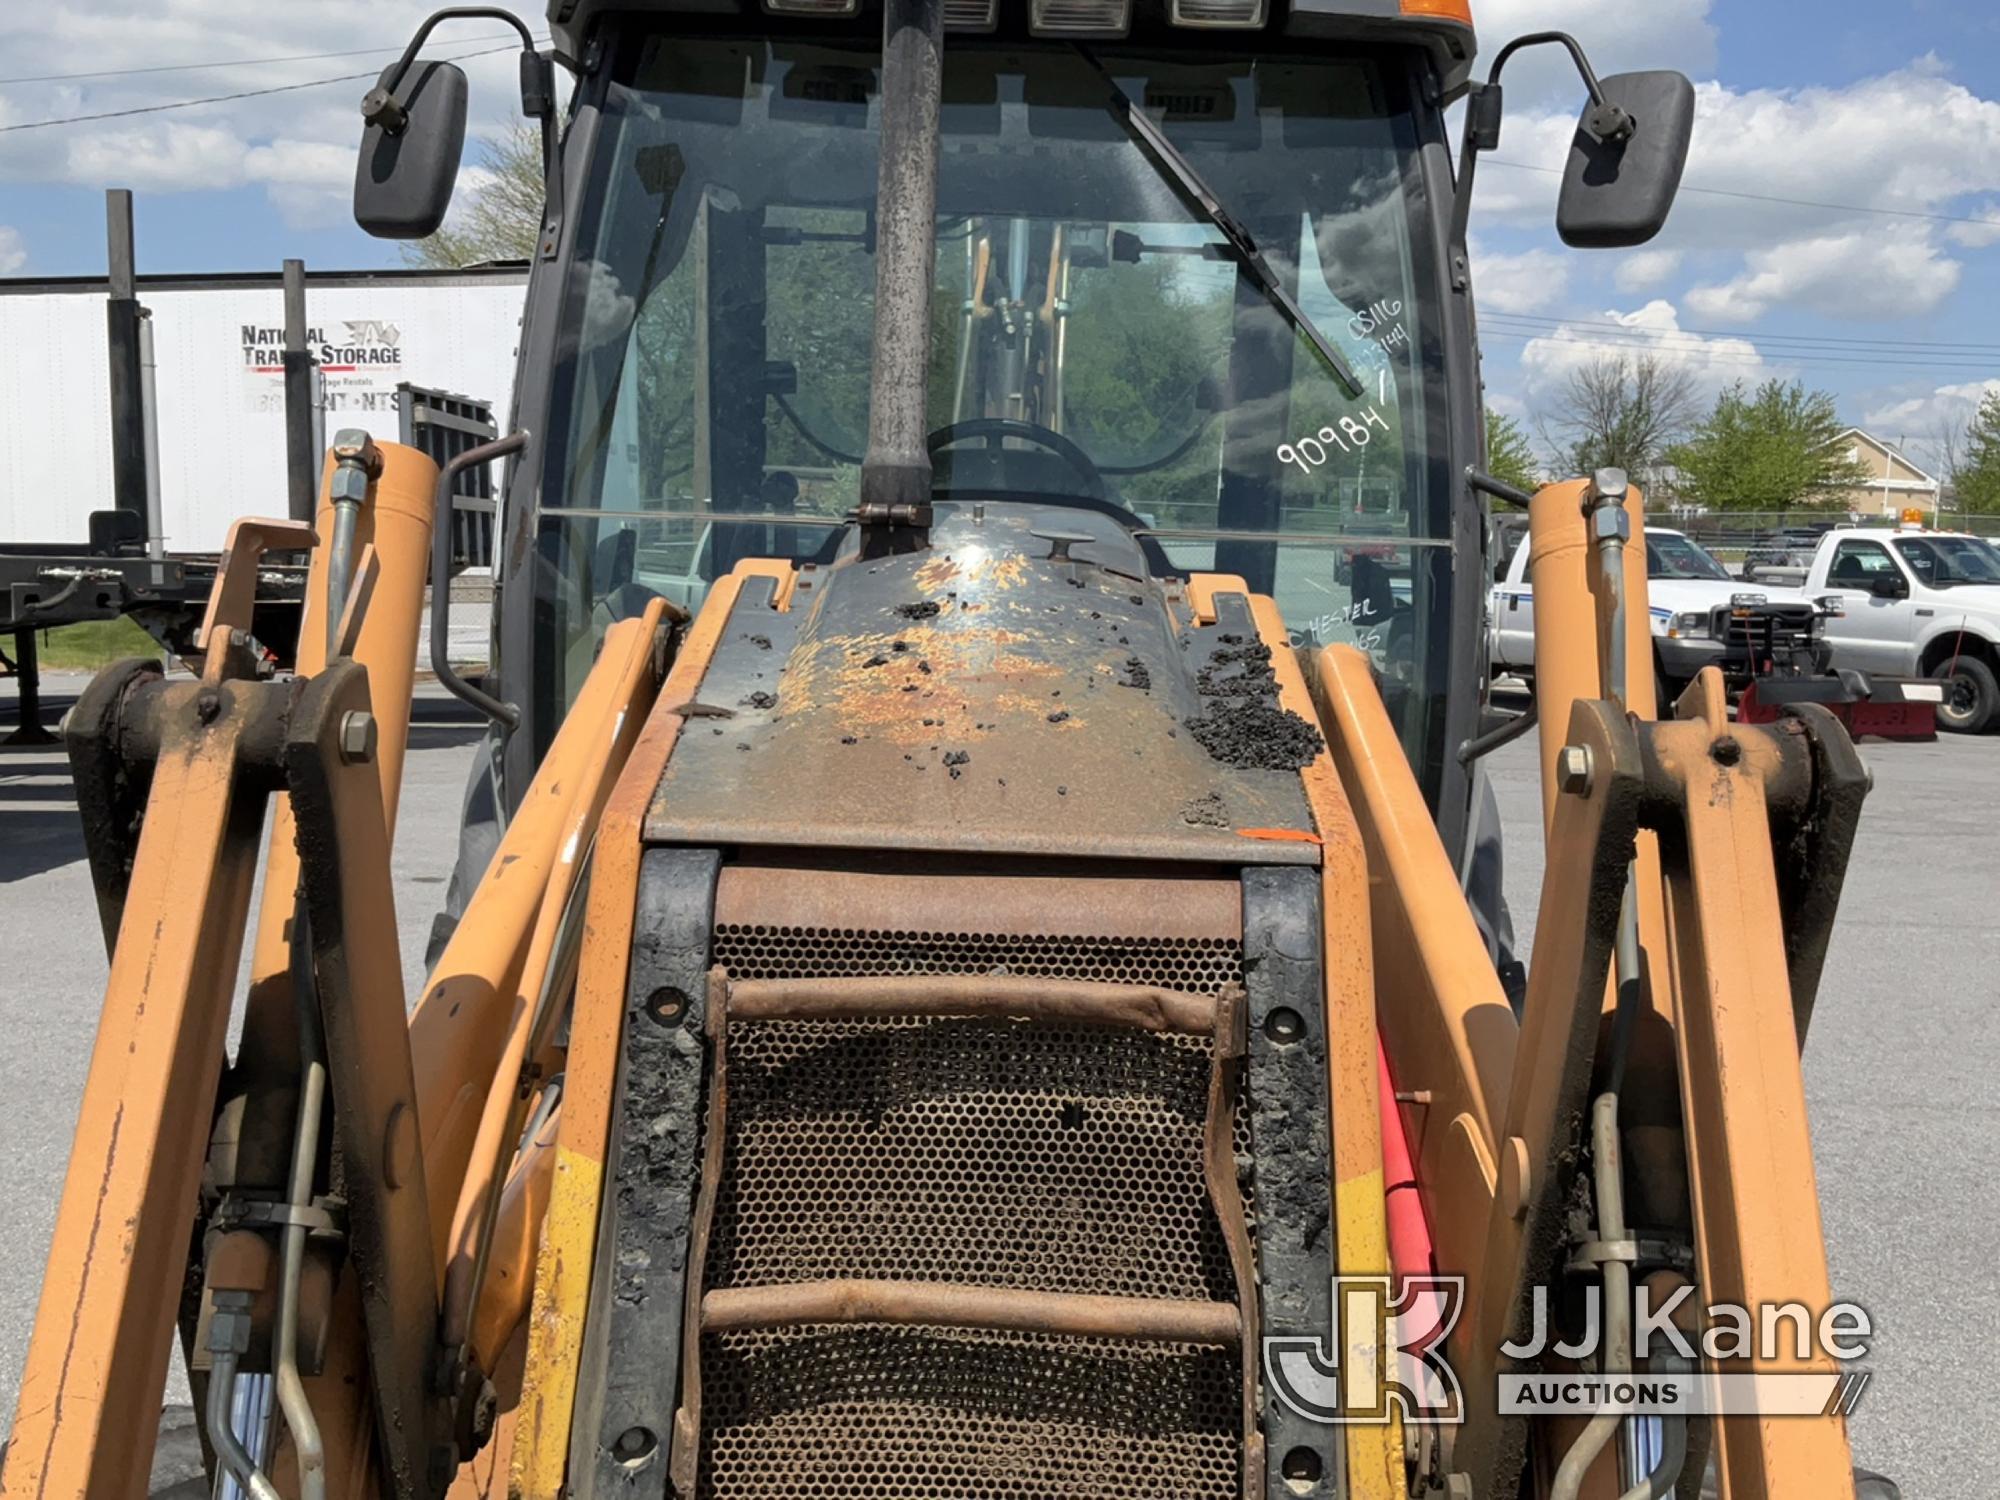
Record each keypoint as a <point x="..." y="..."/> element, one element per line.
<point x="1182" y="173"/>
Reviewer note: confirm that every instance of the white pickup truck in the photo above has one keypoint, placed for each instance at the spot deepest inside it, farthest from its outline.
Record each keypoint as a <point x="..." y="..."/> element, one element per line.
<point x="1695" y="608"/>
<point x="1916" y="604"/>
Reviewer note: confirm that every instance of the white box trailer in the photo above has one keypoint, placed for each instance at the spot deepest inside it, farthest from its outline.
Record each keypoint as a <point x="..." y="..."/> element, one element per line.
<point x="218" y="342"/>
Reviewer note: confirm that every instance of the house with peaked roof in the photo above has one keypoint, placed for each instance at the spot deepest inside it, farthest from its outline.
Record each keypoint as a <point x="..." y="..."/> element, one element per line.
<point x="1895" y="484"/>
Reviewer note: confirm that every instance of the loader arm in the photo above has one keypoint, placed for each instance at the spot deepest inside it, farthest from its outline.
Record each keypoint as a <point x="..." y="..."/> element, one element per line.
<point x="735" y="1128"/>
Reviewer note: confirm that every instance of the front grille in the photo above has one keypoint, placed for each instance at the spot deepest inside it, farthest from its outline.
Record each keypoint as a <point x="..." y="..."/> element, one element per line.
<point x="1766" y="635"/>
<point x="1027" y="1155"/>
<point x="1000" y="1153"/>
<point x="1200" y="965"/>
<point x="913" y="1413"/>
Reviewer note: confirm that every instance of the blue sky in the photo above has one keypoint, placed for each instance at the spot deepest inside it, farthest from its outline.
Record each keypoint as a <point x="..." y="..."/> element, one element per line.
<point x="1885" y="111"/>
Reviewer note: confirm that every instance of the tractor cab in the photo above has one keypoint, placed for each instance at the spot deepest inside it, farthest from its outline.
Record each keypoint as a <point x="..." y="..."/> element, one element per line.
<point x="1195" y="269"/>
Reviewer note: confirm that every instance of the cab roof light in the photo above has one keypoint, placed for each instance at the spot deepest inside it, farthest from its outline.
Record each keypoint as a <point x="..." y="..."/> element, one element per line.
<point x="1446" y="10"/>
<point x="1219" y="15"/>
<point x="812" y="7"/>
<point x="1106" y="20"/>
<point x="971" y="15"/>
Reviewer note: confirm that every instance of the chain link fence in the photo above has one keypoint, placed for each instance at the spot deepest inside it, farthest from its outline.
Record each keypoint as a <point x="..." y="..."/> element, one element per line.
<point x="1737" y="537"/>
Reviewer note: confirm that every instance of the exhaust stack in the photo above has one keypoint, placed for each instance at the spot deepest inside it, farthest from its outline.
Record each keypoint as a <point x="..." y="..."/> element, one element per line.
<point x="896" y="471"/>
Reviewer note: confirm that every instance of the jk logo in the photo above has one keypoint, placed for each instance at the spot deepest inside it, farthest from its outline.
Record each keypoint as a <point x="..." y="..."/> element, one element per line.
<point x="1346" y="1379"/>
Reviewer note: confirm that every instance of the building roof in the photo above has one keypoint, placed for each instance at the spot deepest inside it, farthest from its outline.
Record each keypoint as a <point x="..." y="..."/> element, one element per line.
<point x="1894" y="453"/>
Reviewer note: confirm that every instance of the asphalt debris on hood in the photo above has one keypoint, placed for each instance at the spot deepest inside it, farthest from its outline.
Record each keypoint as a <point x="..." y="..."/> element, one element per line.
<point x="1241" y="723"/>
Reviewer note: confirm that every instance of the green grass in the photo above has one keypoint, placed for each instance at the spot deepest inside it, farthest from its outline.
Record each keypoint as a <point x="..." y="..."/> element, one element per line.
<point x="93" y="644"/>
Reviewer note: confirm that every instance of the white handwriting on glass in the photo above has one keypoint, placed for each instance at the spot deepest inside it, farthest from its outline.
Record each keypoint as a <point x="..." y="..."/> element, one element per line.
<point x="1310" y="452"/>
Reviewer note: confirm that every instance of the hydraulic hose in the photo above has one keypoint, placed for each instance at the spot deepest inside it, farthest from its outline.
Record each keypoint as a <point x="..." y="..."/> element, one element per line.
<point x="292" y="1400"/>
<point x="1610" y="528"/>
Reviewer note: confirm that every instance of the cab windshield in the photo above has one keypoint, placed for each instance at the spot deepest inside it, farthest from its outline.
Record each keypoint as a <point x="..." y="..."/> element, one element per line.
<point x="1093" y="339"/>
<point x="1945" y="561"/>
<point x="1672" y="556"/>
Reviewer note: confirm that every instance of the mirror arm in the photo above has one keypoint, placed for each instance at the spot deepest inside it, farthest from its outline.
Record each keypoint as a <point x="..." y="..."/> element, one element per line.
<point x="1574" y="48"/>
<point x="381" y="106"/>
<point x="1483" y="107"/>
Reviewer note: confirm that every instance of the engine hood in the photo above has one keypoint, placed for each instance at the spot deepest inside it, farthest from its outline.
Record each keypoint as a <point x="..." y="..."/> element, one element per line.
<point x="982" y="694"/>
<point x="1704" y="594"/>
<point x="1966" y="599"/>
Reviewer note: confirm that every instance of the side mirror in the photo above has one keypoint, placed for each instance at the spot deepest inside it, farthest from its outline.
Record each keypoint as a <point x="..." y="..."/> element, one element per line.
<point x="410" y="149"/>
<point x="1889" y="586"/>
<point x="1626" y="161"/>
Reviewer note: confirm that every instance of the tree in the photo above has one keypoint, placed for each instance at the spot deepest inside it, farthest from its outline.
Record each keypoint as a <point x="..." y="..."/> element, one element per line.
<point x="1770" y="449"/>
<point x="1509" y="458"/>
<point x="1978" y="476"/>
<point x="1621" y="413"/>
<point x="502" y="219"/>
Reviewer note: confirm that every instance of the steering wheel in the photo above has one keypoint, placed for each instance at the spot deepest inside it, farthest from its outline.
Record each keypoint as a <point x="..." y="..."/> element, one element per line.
<point x="996" y="430"/>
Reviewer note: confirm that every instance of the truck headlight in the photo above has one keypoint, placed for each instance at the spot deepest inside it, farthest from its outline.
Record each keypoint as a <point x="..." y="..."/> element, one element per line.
<point x="1692" y="624"/>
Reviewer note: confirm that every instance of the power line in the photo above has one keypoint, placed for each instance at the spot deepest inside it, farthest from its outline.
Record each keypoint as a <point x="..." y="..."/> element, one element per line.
<point x="1837" y="344"/>
<point x="283" y="88"/>
<point x="1846" y="208"/>
<point x="223" y="65"/>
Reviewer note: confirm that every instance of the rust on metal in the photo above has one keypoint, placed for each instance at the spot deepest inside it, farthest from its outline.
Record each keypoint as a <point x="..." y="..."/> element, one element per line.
<point x="1032" y="997"/>
<point x="1008" y="721"/>
<point x="944" y="1305"/>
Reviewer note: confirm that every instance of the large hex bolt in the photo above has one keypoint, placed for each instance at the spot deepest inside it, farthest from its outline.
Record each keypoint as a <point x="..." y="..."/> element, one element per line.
<point x="357" y="737"/>
<point x="1574" y="768"/>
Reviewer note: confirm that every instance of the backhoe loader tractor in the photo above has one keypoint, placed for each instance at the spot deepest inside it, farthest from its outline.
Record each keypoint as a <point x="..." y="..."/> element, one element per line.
<point x="975" y="964"/>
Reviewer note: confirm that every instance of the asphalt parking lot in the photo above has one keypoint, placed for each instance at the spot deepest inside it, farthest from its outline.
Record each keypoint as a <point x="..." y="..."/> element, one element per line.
<point x="1900" y="1066"/>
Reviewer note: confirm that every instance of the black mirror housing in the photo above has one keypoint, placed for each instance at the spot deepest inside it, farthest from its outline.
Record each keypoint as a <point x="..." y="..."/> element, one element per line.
<point x="1618" y="189"/>
<point x="1889" y="586"/>
<point x="410" y="151"/>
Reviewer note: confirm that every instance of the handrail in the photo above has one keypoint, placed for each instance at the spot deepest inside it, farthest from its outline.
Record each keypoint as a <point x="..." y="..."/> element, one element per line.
<point x="507" y="715"/>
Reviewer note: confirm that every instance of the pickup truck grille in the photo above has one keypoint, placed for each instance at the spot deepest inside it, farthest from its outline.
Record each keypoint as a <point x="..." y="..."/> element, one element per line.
<point x="1765" y="637"/>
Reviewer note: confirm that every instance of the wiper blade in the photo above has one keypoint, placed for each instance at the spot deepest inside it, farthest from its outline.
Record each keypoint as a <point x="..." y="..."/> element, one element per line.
<point x="1181" y="171"/>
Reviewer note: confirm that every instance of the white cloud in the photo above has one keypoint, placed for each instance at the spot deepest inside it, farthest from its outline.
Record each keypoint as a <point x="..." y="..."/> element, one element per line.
<point x="1530" y="282"/>
<point x="1977" y="236"/>
<point x="1659" y="34"/>
<point x="1653" y="330"/>
<point x="1867" y="275"/>
<point x="1924" y="417"/>
<point x="1872" y="144"/>
<point x="297" y="145"/>
<point x="169" y="157"/>
<point x="1646" y="270"/>
<point x="13" y="251"/>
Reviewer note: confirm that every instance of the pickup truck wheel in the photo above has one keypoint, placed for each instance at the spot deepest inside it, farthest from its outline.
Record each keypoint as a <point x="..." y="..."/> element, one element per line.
<point x="1971" y="696"/>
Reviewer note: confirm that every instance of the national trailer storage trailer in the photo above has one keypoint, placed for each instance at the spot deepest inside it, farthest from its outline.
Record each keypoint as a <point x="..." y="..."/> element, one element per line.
<point x="96" y="521"/>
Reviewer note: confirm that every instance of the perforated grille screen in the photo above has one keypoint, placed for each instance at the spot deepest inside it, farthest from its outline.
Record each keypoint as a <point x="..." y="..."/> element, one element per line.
<point x="1202" y="965"/>
<point x="993" y="1153"/>
<point x="913" y="1413"/>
